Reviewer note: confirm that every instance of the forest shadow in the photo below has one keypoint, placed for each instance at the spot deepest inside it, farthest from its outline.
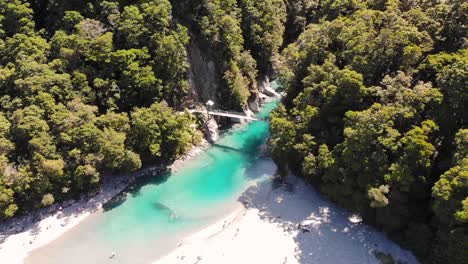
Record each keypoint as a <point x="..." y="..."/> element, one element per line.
<point x="249" y="147"/>
<point x="227" y="148"/>
<point x="252" y="144"/>
<point x="30" y="223"/>
<point x="134" y="189"/>
<point x="321" y="230"/>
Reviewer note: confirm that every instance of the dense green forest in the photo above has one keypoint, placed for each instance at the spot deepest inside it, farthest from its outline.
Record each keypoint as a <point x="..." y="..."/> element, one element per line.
<point x="93" y="88"/>
<point x="376" y="116"/>
<point x="244" y="36"/>
<point x="87" y="88"/>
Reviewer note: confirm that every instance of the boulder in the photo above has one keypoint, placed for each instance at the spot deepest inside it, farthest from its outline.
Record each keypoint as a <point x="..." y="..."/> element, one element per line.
<point x="262" y="97"/>
<point x="249" y="113"/>
<point x="211" y="130"/>
<point x="271" y="92"/>
<point x="253" y="105"/>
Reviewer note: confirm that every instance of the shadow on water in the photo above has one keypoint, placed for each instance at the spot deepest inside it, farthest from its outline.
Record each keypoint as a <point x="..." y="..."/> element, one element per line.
<point x="227" y="148"/>
<point x="162" y="208"/>
<point x="134" y="189"/>
<point x="252" y="144"/>
<point x="249" y="146"/>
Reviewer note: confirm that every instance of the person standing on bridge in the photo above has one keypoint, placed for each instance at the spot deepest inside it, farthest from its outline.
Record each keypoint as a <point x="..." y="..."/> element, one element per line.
<point x="209" y="104"/>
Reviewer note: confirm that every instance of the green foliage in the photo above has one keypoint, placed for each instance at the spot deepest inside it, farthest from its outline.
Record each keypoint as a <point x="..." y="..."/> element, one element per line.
<point x="237" y="84"/>
<point x="451" y="73"/>
<point x="71" y="19"/>
<point x="86" y="177"/>
<point x="283" y="138"/>
<point x="75" y="80"/>
<point x="16" y="17"/>
<point x="171" y="48"/>
<point x="451" y="190"/>
<point x="220" y="25"/>
<point x="47" y="199"/>
<point x="159" y="134"/>
<point x="376" y="91"/>
<point x="7" y="205"/>
<point x="451" y="205"/>
<point x="263" y="28"/>
<point x="244" y="36"/>
<point x="377" y="196"/>
<point x="332" y="91"/>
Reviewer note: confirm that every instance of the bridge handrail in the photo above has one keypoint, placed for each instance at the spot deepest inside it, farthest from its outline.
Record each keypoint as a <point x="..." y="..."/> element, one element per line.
<point x="227" y="112"/>
<point x="218" y="111"/>
<point x="232" y="113"/>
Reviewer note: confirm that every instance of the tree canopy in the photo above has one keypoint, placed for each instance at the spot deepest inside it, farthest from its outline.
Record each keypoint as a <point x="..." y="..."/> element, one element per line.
<point x="375" y="106"/>
<point x="375" y="113"/>
<point x="87" y="89"/>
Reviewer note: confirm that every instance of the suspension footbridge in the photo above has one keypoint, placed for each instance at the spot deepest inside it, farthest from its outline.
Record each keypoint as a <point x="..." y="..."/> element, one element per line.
<point x="225" y="113"/>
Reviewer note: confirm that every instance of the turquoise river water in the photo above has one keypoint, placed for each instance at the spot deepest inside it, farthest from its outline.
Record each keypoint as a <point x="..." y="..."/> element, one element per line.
<point x="155" y="216"/>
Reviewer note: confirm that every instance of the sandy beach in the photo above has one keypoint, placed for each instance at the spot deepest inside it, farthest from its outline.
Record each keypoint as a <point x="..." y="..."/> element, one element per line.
<point x="272" y="222"/>
<point x="21" y="235"/>
<point x="289" y="224"/>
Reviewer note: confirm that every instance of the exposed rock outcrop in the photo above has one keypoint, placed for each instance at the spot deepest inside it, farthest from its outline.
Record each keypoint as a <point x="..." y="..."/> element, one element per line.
<point x="204" y="77"/>
<point x="265" y="87"/>
<point x="254" y="104"/>
<point x="211" y="130"/>
<point x="206" y="84"/>
<point x="263" y="97"/>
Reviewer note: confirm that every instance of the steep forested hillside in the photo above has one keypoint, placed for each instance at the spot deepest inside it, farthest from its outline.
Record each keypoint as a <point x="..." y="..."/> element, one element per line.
<point x="92" y="87"/>
<point x="375" y="113"/>
<point x="376" y="116"/>
<point x="244" y="36"/>
<point x="86" y="87"/>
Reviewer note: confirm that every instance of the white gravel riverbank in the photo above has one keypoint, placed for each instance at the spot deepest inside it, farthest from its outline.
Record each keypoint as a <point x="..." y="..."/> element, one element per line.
<point x="290" y="224"/>
<point x="21" y="235"/>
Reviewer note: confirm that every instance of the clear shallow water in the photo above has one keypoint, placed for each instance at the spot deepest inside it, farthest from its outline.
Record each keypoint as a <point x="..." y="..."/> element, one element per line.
<point x="188" y="197"/>
<point x="155" y="216"/>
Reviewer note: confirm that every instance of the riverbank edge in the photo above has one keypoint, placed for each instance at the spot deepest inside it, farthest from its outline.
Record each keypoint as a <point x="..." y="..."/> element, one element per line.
<point x="21" y="235"/>
<point x="221" y="241"/>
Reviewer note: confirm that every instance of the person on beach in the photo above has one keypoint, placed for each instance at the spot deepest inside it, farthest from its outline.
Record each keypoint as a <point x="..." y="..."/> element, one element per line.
<point x="173" y="216"/>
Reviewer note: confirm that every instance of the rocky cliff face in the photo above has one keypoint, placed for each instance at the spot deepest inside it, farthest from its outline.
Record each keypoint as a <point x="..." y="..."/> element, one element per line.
<point x="265" y="88"/>
<point x="211" y="130"/>
<point x="204" y="77"/>
<point x="206" y="83"/>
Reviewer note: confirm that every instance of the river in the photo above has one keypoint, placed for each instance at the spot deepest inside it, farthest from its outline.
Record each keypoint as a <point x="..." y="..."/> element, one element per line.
<point x="156" y="214"/>
<point x="153" y="217"/>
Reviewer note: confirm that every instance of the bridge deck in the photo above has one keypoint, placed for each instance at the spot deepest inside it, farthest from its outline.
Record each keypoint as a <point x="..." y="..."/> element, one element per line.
<point x="226" y="114"/>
